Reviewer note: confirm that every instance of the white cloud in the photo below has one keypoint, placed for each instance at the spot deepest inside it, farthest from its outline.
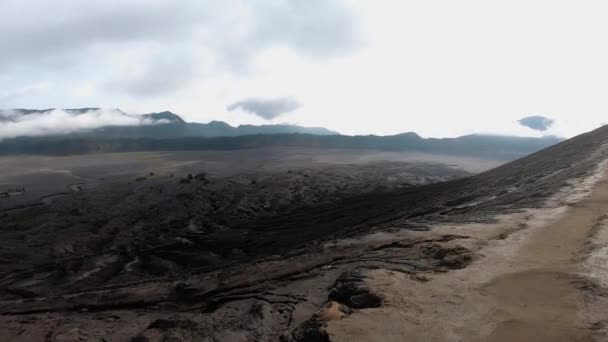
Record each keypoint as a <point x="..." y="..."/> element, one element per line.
<point x="83" y="90"/>
<point x="61" y="122"/>
<point x="25" y="91"/>
<point x="267" y="109"/>
<point x="440" y="68"/>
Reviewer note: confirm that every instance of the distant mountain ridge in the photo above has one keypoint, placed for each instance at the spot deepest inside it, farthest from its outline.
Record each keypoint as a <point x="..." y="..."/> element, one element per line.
<point x="482" y="146"/>
<point x="177" y="129"/>
<point x="169" y="117"/>
<point x="166" y="124"/>
<point x="164" y="131"/>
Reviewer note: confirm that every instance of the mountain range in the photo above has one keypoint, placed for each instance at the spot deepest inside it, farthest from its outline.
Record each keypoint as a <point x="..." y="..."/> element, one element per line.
<point x="164" y="125"/>
<point x="165" y="131"/>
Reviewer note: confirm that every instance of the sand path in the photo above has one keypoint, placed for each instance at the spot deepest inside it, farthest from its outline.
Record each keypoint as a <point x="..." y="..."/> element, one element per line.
<point x="526" y="287"/>
<point x="542" y="302"/>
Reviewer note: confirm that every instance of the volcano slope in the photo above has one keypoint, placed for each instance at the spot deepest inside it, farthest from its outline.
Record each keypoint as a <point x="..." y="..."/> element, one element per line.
<point x="514" y="253"/>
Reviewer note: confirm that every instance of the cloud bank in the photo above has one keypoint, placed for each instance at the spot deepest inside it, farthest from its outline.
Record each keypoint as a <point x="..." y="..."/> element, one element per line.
<point x="157" y="47"/>
<point x="266" y="108"/>
<point x="537" y="123"/>
<point x="16" y="123"/>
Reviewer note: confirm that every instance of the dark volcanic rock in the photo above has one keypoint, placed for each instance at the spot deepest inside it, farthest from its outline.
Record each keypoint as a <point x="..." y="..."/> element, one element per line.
<point x="452" y="257"/>
<point x="310" y="331"/>
<point x="351" y="290"/>
<point x="252" y="262"/>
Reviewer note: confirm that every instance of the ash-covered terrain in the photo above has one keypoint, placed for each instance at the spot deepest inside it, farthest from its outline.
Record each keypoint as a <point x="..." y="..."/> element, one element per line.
<point x="276" y="251"/>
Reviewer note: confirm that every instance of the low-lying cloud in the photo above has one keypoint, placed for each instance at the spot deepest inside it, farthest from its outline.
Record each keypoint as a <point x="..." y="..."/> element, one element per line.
<point x="266" y="108"/>
<point x="537" y="122"/>
<point x="17" y="123"/>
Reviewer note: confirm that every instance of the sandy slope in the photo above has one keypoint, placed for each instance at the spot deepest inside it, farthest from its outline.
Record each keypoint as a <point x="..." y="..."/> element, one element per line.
<point x="166" y="260"/>
<point x="539" y="278"/>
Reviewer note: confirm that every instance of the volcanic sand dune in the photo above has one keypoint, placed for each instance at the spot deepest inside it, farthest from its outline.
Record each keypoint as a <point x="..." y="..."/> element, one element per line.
<point x="542" y="302"/>
<point x="511" y="254"/>
<point x="45" y="176"/>
<point x="530" y="285"/>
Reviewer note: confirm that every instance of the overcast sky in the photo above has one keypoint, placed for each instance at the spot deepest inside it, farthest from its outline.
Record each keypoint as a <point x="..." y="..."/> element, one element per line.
<point x="440" y="68"/>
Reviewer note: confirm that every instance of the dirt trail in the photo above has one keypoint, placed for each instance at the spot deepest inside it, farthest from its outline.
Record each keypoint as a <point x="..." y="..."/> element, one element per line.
<point x="542" y="302"/>
<point x="526" y="287"/>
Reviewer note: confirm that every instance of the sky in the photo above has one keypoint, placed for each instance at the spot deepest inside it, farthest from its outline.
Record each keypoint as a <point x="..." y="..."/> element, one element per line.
<point x="441" y="68"/>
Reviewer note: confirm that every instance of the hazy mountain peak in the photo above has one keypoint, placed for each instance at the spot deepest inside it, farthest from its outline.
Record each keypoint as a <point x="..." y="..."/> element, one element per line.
<point x="167" y="116"/>
<point x="218" y="123"/>
<point x="84" y="110"/>
<point x="410" y="135"/>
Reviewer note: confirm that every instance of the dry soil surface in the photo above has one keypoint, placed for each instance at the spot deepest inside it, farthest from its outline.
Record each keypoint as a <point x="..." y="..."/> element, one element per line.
<point x="372" y="252"/>
<point x="537" y="279"/>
